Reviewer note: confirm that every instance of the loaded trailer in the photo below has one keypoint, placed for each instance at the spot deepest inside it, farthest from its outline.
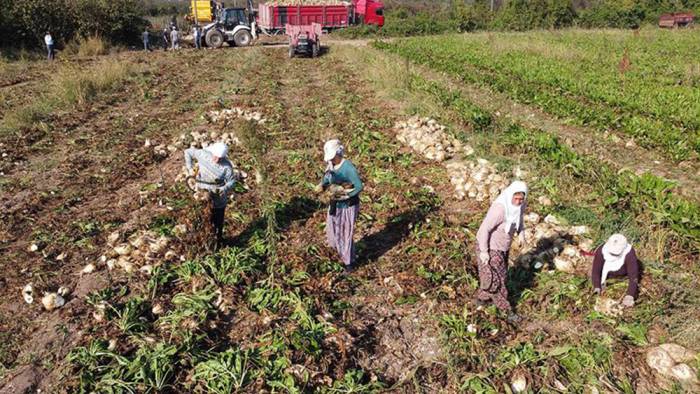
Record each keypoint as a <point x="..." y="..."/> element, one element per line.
<point x="239" y="26"/>
<point x="273" y="18"/>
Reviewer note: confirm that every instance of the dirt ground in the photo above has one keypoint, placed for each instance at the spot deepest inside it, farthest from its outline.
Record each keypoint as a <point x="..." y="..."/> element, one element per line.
<point x="67" y="187"/>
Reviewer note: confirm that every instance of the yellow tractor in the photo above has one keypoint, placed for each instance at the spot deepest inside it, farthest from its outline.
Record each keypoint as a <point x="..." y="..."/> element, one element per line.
<point x="232" y="25"/>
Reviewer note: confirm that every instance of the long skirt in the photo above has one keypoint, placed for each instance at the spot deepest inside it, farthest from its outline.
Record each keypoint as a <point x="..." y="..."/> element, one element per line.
<point x="492" y="279"/>
<point x="339" y="230"/>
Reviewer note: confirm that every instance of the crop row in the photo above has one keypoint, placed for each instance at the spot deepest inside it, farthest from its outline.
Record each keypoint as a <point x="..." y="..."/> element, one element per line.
<point x="657" y="113"/>
<point x="624" y="192"/>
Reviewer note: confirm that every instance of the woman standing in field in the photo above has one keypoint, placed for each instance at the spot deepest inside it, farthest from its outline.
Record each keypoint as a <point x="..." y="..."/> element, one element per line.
<point x="616" y="259"/>
<point x="215" y="175"/>
<point x="503" y="220"/>
<point x="345" y="186"/>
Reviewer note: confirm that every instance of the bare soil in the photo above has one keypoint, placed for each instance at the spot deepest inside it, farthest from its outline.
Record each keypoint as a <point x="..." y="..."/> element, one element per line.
<point x="67" y="188"/>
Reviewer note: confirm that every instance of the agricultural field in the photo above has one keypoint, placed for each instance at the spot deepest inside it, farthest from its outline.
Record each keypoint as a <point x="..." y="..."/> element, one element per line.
<point x="643" y="84"/>
<point x="95" y="207"/>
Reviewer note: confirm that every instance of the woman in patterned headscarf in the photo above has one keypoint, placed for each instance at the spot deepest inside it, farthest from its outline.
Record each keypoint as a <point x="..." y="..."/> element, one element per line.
<point x="503" y="220"/>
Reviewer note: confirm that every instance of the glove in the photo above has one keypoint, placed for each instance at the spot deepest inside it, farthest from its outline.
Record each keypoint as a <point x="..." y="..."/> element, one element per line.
<point x="628" y="301"/>
<point x="596" y="291"/>
<point x="484" y="257"/>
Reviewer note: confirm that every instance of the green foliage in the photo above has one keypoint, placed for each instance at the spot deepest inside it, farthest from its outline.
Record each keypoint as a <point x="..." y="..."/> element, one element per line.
<point x="150" y="369"/>
<point x="612" y="13"/>
<point x="472" y="16"/>
<point x="191" y="311"/>
<point x="227" y="372"/>
<point x="545" y="71"/>
<point x="309" y="335"/>
<point x="130" y="316"/>
<point x="628" y="196"/>
<point x="651" y="194"/>
<point x="354" y="381"/>
<point x="118" y="21"/>
<point x="546" y="146"/>
<point x="265" y="297"/>
<point x="230" y="267"/>
<point x="634" y="332"/>
<point x="535" y="14"/>
<point x="163" y="225"/>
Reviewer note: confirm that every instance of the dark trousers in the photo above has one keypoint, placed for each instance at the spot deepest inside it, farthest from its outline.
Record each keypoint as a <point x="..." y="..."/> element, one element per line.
<point x="217" y="220"/>
<point x="49" y="48"/>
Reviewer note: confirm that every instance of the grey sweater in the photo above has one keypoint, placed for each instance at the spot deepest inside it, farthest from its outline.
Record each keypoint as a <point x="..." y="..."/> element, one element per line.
<point x="216" y="177"/>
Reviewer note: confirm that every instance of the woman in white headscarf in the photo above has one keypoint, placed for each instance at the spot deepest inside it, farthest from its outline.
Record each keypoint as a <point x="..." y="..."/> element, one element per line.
<point x="503" y="220"/>
<point x="215" y="175"/>
<point x="616" y="259"/>
<point x="345" y="204"/>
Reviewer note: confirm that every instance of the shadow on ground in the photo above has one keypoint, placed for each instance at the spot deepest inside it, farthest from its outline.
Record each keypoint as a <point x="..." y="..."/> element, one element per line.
<point x="296" y="209"/>
<point x="398" y="227"/>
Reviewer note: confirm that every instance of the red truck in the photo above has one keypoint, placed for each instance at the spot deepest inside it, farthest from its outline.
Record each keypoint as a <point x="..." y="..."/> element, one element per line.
<point x="239" y="26"/>
<point x="272" y="17"/>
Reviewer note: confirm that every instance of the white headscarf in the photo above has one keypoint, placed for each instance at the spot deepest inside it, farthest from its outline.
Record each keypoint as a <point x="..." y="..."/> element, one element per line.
<point x="513" y="213"/>
<point x="218" y="149"/>
<point x="331" y="149"/>
<point x="615" y="251"/>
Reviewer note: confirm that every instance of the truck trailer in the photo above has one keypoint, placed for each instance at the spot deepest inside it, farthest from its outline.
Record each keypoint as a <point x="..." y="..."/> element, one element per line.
<point x="239" y="26"/>
<point x="272" y="17"/>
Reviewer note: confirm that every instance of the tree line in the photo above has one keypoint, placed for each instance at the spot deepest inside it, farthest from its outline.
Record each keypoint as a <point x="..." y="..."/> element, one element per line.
<point x="24" y="23"/>
<point x="416" y="17"/>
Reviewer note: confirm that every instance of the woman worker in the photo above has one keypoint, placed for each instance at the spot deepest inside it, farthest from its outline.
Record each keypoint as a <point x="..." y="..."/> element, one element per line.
<point x="503" y="220"/>
<point x="345" y="202"/>
<point x="616" y="259"/>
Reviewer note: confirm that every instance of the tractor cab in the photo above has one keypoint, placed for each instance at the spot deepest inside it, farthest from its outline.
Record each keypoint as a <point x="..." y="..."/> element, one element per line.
<point x="232" y="17"/>
<point x="232" y="25"/>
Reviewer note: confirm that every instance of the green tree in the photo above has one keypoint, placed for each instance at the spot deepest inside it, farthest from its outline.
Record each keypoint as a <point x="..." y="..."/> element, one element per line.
<point x="535" y="14"/>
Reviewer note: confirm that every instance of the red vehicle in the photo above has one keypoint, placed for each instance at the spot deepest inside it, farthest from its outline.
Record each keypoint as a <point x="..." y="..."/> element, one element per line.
<point x="680" y="19"/>
<point x="304" y="39"/>
<point x="273" y="18"/>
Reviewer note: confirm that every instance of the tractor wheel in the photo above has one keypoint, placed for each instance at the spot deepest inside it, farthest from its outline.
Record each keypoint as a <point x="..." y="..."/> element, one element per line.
<point x="242" y="38"/>
<point x="291" y="51"/>
<point x="316" y="49"/>
<point x="214" y="39"/>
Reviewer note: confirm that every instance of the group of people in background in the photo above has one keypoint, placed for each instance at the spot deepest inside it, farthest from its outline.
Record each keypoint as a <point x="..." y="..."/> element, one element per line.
<point x="171" y="38"/>
<point x="503" y="221"/>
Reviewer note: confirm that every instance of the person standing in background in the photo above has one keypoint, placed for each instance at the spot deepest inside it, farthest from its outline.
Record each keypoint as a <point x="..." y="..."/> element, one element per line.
<point x="146" y="40"/>
<point x="175" y="39"/>
<point x="198" y="37"/>
<point x="48" y="40"/>
<point x="166" y="40"/>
